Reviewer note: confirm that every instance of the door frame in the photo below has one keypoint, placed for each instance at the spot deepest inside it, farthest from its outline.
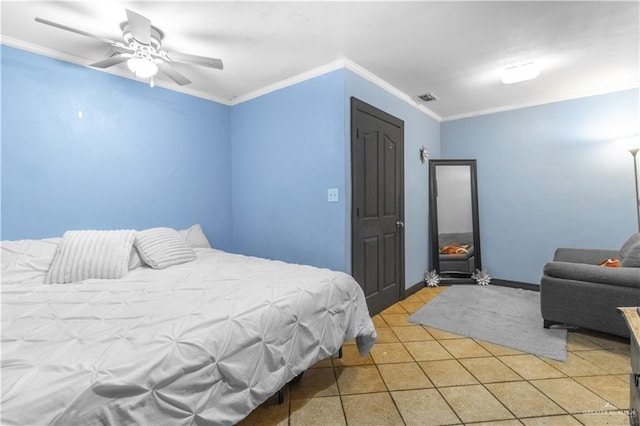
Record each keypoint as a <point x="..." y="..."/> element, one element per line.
<point x="357" y="104"/>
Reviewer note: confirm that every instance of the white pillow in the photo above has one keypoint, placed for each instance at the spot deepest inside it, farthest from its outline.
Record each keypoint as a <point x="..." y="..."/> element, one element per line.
<point x="84" y="255"/>
<point x="163" y="247"/>
<point x="195" y="237"/>
<point x="27" y="261"/>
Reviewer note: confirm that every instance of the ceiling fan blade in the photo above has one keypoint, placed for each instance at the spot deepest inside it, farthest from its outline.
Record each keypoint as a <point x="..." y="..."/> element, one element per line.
<point x="109" y="62"/>
<point x="139" y="26"/>
<point x="194" y="59"/>
<point x="173" y="74"/>
<point x="74" y="30"/>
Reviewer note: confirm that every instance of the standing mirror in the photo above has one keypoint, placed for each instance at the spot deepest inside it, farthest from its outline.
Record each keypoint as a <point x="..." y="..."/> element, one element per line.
<point x="453" y="218"/>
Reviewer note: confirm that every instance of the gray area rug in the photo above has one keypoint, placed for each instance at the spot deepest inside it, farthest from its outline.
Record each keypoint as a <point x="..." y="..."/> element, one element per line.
<point x="502" y="315"/>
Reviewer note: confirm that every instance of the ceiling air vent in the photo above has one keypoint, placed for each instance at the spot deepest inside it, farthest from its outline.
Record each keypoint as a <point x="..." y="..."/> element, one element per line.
<point x="428" y="97"/>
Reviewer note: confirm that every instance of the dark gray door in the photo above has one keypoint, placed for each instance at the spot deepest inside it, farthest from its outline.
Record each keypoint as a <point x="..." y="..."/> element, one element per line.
<point x="377" y="218"/>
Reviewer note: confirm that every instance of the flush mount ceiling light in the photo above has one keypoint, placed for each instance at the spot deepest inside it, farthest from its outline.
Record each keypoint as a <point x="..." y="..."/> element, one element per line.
<point x="521" y="72"/>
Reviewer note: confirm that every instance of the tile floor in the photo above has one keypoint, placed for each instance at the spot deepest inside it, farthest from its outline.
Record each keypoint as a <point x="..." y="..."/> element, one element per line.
<point x="418" y="375"/>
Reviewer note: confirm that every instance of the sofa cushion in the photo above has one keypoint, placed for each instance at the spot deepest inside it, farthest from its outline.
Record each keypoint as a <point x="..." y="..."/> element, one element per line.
<point x="632" y="258"/>
<point x="632" y="241"/>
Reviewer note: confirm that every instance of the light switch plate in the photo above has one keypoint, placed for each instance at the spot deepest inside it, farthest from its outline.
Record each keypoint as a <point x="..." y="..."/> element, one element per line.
<point x="332" y="195"/>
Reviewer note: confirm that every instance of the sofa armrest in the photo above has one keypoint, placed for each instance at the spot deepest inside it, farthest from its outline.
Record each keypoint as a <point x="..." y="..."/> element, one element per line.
<point x="581" y="255"/>
<point x="624" y="277"/>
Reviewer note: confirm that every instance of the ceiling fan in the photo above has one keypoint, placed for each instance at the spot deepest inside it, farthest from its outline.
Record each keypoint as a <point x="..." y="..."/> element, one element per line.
<point x="142" y="49"/>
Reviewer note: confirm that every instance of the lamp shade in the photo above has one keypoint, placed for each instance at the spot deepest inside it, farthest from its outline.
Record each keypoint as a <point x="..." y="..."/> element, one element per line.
<point x="630" y="144"/>
<point x="142" y="67"/>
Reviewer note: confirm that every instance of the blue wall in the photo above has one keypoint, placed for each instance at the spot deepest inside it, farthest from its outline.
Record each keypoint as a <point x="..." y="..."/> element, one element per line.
<point x="549" y="176"/>
<point x="139" y="157"/>
<point x="290" y="146"/>
<point x="287" y="150"/>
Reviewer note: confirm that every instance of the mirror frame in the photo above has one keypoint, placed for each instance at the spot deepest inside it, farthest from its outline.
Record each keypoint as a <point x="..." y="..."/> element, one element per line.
<point x="453" y="277"/>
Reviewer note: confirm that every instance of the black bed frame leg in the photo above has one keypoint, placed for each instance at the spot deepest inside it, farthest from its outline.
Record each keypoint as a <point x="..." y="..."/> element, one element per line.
<point x="340" y="352"/>
<point x="280" y="396"/>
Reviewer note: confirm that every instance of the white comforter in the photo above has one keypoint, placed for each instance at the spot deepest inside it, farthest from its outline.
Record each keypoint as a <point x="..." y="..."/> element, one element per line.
<point x="199" y="343"/>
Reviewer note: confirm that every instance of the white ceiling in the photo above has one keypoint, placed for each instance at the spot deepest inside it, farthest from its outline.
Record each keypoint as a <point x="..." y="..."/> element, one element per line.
<point x="454" y="49"/>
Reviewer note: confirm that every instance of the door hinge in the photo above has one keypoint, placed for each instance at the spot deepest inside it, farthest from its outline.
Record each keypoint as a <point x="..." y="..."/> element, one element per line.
<point x="357" y="133"/>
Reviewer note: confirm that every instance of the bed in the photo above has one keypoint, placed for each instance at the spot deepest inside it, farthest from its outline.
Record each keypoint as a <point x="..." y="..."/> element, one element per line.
<point x="200" y="342"/>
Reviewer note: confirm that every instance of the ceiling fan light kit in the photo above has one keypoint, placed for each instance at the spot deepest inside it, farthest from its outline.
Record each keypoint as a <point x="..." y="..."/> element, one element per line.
<point x="520" y="72"/>
<point x="142" y="50"/>
<point x="142" y="67"/>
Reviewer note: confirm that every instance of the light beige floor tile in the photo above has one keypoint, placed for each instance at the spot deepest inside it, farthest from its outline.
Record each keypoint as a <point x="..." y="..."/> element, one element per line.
<point x="464" y="348"/>
<point x="360" y="379"/>
<point x="371" y="409"/>
<point x="530" y="367"/>
<point x="600" y="418"/>
<point x="399" y="320"/>
<point x="412" y="307"/>
<point x="512" y="422"/>
<point x="394" y="309"/>
<point x="441" y="334"/>
<point x="524" y="400"/>
<point x="315" y="382"/>
<point x="575" y="366"/>
<point x="447" y="373"/>
<point x="424" y="407"/>
<point x="579" y="342"/>
<point x="427" y="297"/>
<point x="412" y="333"/>
<point x="490" y="370"/>
<point x="571" y="395"/>
<point x="607" y="341"/>
<point x="386" y="335"/>
<point x="270" y="413"/>
<point x="351" y="356"/>
<point x="611" y="362"/>
<point x="385" y="353"/>
<point x="612" y="389"/>
<point x="317" y="412"/>
<point x="379" y="322"/>
<point x="323" y="363"/>
<point x="498" y="350"/>
<point x="624" y="377"/>
<point x="414" y="299"/>
<point x="474" y="403"/>
<point x="551" y="421"/>
<point x="404" y="376"/>
<point x="427" y="350"/>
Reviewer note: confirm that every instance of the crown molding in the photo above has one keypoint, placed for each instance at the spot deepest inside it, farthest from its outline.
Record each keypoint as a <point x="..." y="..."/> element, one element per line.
<point x="371" y="77"/>
<point x="298" y="78"/>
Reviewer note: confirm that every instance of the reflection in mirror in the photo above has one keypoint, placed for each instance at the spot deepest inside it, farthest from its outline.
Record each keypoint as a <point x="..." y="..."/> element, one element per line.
<point x="455" y="236"/>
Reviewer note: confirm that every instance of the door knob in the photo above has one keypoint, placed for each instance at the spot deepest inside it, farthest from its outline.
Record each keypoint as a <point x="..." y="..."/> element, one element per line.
<point x="399" y="224"/>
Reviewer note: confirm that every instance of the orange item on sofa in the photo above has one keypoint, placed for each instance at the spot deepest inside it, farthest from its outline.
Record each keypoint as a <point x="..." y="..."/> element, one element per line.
<point x="611" y="263"/>
<point x="455" y="249"/>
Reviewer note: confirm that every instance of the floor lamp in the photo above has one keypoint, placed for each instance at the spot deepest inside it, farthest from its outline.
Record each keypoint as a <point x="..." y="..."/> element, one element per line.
<point x="633" y="146"/>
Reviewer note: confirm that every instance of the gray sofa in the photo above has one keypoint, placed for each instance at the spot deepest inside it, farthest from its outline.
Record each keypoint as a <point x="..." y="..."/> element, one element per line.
<point x="576" y="291"/>
<point x="457" y="262"/>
